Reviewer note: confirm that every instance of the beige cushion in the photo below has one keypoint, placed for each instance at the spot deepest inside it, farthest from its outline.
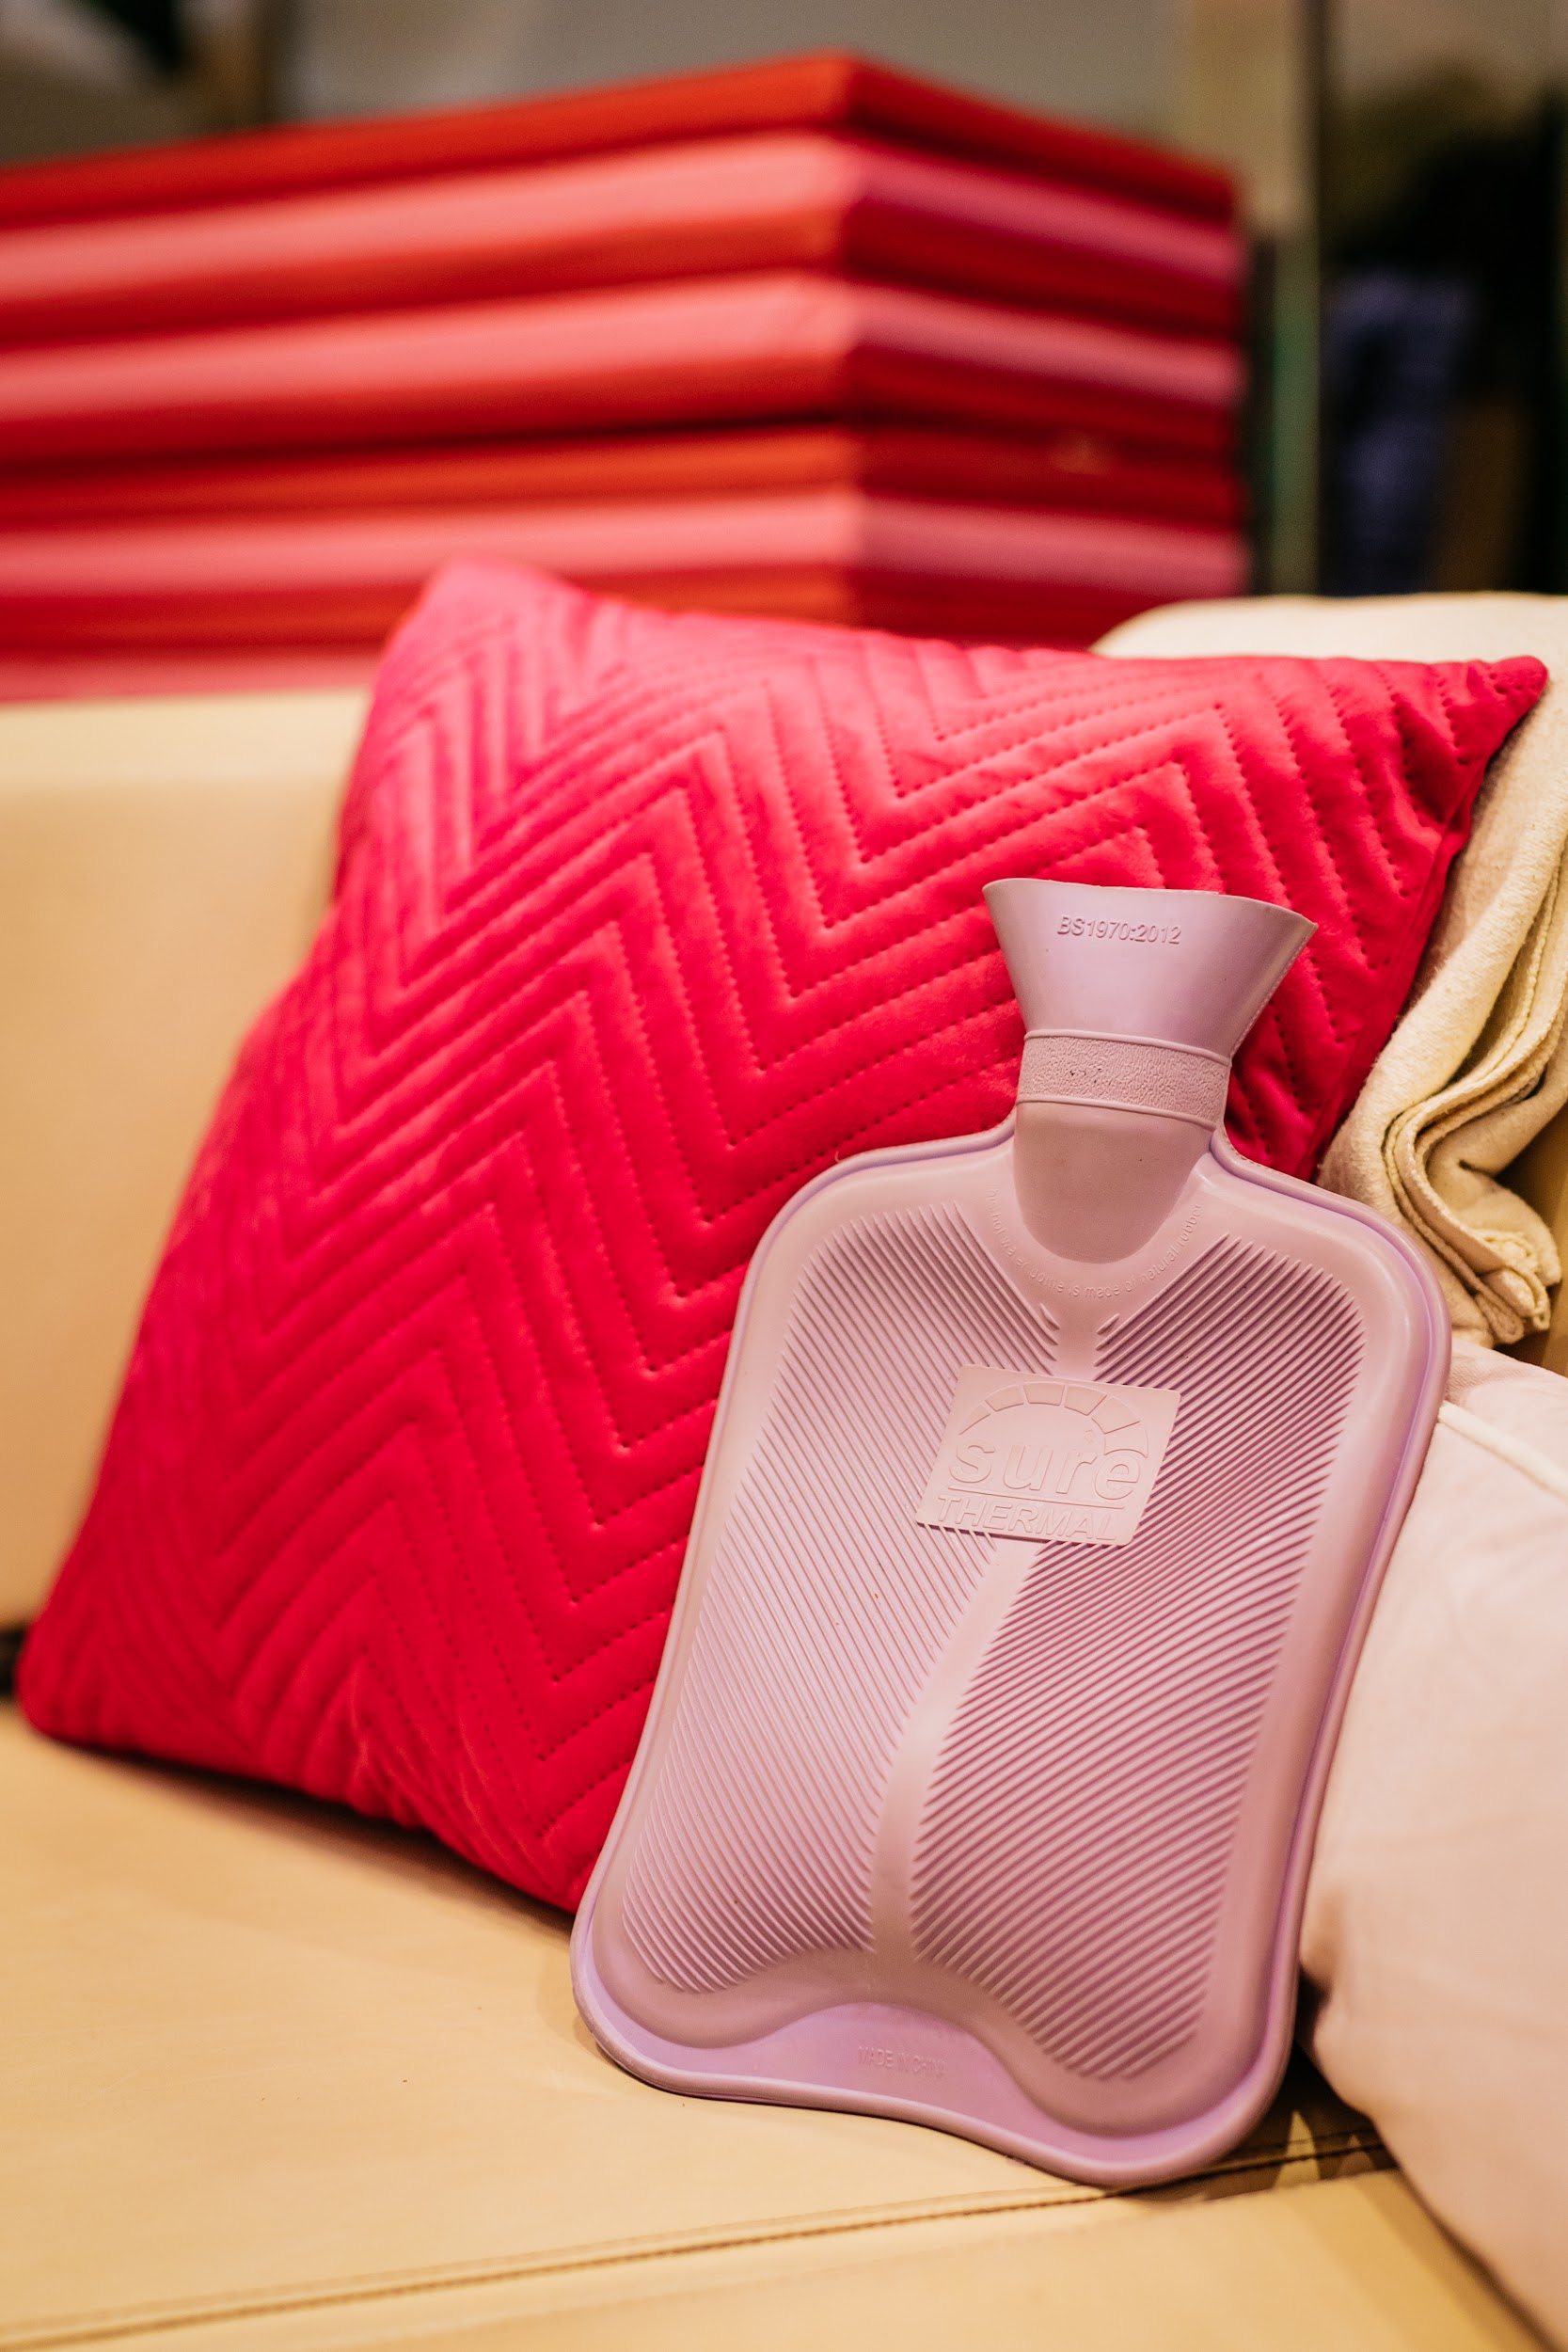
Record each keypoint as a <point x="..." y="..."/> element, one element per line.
<point x="163" y="866"/>
<point x="275" y="2076"/>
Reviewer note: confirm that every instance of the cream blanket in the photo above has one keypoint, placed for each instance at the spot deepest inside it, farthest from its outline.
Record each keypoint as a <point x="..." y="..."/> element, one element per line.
<point x="1479" y="1063"/>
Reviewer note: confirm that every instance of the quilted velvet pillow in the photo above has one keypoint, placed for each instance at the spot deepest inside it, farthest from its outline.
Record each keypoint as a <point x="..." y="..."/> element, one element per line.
<point x="642" y="919"/>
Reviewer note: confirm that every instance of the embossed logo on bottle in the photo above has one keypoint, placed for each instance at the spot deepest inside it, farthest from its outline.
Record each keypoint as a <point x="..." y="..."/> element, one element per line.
<point x="1062" y="1461"/>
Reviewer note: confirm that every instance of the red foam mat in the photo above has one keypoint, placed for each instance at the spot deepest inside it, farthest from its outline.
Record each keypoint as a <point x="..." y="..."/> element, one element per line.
<point x="49" y="677"/>
<point x="1072" y="471"/>
<point x="769" y="201"/>
<point x="224" y="653"/>
<point x="827" y="90"/>
<point x="711" y="350"/>
<point x="345" y="579"/>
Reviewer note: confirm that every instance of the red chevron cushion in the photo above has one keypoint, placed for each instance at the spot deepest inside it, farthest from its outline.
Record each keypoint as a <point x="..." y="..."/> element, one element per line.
<point x="642" y="919"/>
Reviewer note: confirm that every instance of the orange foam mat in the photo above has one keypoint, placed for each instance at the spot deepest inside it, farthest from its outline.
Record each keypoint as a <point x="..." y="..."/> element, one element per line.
<point x="827" y="90"/>
<point x="708" y="349"/>
<point x="345" y="579"/>
<point x="1066" y="471"/>
<point x="765" y="201"/>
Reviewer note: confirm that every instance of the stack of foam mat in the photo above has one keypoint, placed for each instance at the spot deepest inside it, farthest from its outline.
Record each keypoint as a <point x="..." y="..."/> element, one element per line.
<point x="805" y="338"/>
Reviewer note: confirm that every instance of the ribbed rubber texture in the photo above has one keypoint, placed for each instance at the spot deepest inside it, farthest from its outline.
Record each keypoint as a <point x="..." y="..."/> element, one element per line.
<point x="825" y="1611"/>
<point x="1124" y="1073"/>
<point x="1077" y="1840"/>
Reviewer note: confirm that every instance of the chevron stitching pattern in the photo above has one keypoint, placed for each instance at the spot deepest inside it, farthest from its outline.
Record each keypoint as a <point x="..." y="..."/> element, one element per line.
<point x="641" y="921"/>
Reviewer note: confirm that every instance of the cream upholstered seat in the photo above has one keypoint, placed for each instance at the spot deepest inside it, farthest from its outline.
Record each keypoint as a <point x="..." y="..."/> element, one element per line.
<point x="277" y="2077"/>
<point x="163" y="866"/>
